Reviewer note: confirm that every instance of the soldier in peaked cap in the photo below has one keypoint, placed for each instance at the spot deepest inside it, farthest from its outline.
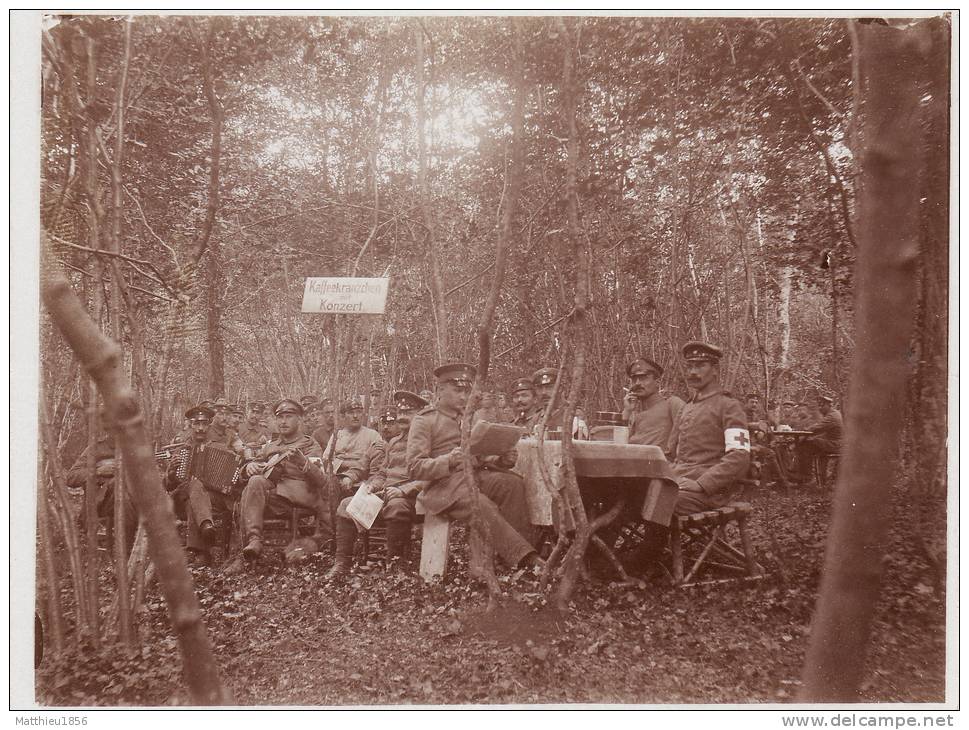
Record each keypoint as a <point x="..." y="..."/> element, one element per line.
<point x="544" y="382"/>
<point x="652" y="420"/>
<point x="253" y="433"/>
<point x="313" y="410"/>
<point x="392" y="483"/>
<point x="202" y="505"/>
<point x="327" y="425"/>
<point x="282" y="477"/>
<point x="524" y="399"/>
<point x="220" y="431"/>
<point x="351" y="451"/>
<point x="387" y="423"/>
<point x="709" y="446"/>
<point x="434" y="456"/>
<point x="710" y="443"/>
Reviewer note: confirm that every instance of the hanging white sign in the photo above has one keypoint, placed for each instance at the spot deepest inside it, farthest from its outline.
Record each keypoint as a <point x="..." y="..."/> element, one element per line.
<point x="332" y="295"/>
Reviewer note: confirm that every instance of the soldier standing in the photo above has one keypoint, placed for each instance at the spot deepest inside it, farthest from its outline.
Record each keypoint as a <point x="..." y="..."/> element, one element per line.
<point x="253" y="433"/>
<point x="524" y="399"/>
<point x="434" y="456"/>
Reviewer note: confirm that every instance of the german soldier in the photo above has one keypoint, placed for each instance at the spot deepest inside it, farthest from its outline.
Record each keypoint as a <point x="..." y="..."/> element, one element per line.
<point x="652" y="422"/>
<point x="434" y="456"/>
<point x="710" y="443"/>
<point x="393" y="484"/>
<point x="294" y="480"/>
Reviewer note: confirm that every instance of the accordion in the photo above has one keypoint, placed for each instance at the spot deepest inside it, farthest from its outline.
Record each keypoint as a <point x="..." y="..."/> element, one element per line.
<point x="217" y="469"/>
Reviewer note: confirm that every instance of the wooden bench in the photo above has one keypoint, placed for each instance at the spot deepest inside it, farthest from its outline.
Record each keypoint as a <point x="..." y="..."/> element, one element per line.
<point x="435" y="545"/>
<point x="701" y="540"/>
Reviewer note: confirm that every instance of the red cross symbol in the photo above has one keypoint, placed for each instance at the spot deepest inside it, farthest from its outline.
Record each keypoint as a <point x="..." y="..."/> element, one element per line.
<point x="742" y="439"/>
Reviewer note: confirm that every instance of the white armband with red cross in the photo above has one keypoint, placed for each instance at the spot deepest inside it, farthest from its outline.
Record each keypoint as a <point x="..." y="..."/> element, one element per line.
<point x="736" y="439"/>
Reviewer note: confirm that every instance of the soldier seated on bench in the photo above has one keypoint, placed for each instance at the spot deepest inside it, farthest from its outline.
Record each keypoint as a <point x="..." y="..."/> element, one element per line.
<point x="392" y="483"/>
<point x="709" y="445"/>
<point x="434" y="455"/>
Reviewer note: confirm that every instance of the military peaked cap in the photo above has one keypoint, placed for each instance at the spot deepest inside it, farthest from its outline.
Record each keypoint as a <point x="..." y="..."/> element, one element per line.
<point x="388" y="415"/>
<point x="522" y="384"/>
<point x="459" y="373"/>
<point x="235" y="408"/>
<point x="545" y="376"/>
<point x="352" y="404"/>
<point x="643" y="366"/>
<point x="288" y="405"/>
<point x="199" y="411"/>
<point x="305" y="400"/>
<point x="314" y="405"/>
<point x="825" y="399"/>
<point x="257" y="406"/>
<point x="701" y="352"/>
<point x="220" y="404"/>
<point x="407" y="401"/>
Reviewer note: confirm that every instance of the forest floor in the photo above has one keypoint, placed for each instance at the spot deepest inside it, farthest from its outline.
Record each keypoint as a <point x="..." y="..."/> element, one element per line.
<point x="284" y="637"/>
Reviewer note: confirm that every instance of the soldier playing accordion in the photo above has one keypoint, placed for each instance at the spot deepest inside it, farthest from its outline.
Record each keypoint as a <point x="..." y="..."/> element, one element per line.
<point x="207" y="472"/>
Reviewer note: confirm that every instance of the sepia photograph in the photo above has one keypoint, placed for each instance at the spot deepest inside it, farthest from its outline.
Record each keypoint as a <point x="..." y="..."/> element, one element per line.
<point x="462" y="360"/>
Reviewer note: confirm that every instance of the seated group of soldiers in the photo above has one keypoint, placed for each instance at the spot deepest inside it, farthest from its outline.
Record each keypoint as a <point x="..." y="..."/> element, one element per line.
<point x="309" y="461"/>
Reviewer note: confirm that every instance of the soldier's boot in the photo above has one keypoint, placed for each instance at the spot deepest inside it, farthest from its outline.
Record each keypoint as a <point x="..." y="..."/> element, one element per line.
<point x="253" y="548"/>
<point x="398" y="542"/>
<point x="346" y="537"/>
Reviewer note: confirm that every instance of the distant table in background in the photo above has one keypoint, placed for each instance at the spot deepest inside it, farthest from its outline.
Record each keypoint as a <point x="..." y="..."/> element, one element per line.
<point x="784" y="444"/>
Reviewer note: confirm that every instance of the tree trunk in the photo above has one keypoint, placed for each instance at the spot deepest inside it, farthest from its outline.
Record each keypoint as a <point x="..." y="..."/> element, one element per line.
<point x="435" y="277"/>
<point x="215" y="274"/>
<point x="486" y="323"/>
<point x="52" y="579"/>
<point x="889" y="62"/>
<point x="101" y="358"/>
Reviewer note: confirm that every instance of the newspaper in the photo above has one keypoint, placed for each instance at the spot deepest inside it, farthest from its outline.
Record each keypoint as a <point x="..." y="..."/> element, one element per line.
<point x="364" y="507"/>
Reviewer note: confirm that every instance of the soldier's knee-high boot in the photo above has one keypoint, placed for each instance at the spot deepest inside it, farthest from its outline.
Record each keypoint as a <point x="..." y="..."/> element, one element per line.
<point x="398" y="539"/>
<point x="346" y="537"/>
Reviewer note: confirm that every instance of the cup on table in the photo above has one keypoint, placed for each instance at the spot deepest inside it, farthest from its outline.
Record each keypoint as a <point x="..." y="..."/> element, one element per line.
<point x="620" y="434"/>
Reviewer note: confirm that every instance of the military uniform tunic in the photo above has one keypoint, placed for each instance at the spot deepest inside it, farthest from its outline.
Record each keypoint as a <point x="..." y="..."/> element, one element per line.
<point x="286" y="486"/>
<point x="710" y="446"/>
<point x="434" y="433"/>
<point x="653" y="423"/>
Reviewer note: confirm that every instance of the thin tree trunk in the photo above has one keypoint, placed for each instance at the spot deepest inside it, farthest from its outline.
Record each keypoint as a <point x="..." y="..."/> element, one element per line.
<point x="486" y="323"/>
<point x="125" y="631"/>
<point x="578" y="251"/>
<point x="890" y="156"/>
<point x="435" y="277"/>
<point x="101" y="358"/>
<point x="52" y="579"/>
<point x="68" y="526"/>
<point x="215" y="274"/>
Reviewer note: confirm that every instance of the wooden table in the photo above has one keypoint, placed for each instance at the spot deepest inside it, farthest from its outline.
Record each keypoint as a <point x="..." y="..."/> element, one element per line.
<point x="784" y="444"/>
<point x="599" y="466"/>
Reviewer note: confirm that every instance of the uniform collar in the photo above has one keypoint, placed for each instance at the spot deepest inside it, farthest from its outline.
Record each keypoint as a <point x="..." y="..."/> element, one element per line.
<point x="456" y="415"/>
<point x="653" y="400"/>
<point x="697" y="397"/>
